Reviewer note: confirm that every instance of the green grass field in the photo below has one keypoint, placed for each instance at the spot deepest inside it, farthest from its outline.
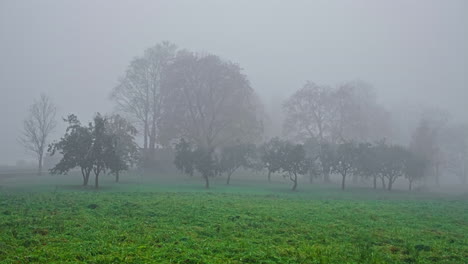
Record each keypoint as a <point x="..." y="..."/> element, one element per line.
<point x="53" y="220"/>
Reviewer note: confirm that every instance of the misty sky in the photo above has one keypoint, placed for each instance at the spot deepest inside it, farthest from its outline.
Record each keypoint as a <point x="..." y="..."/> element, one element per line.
<point x="415" y="53"/>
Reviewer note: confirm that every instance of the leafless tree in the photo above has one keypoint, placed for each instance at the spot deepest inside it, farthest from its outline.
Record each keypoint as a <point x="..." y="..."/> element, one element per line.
<point x="138" y="94"/>
<point x="38" y="126"/>
<point x="209" y="101"/>
<point x="357" y="114"/>
<point x="309" y="112"/>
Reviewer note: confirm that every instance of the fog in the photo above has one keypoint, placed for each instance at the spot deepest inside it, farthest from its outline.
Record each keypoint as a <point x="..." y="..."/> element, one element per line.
<point x="414" y="53"/>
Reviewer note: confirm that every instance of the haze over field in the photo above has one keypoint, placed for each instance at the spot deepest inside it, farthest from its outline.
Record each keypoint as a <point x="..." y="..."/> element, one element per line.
<point x="414" y="53"/>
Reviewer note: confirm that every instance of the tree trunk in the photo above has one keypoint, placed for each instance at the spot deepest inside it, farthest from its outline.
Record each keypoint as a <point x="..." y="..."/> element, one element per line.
<point x="152" y="139"/>
<point x="375" y="182"/>
<point x="145" y="136"/>
<point x="269" y="176"/>
<point x="86" y="179"/>
<point x="228" y="178"/>
<point x="39" y="169"/>
<point x="383" y="182"/>
<point x="96" y="179"/>
<point x="343" y="181"/>
<point x="207" y="182"/>
<point x="85" y="173"/>
<point x="117" y="176"/>
<point x="295" y="182"/>
<point x="390" y="183"/>
<point x="410" y="185"/>
<point x="311" y="176"/>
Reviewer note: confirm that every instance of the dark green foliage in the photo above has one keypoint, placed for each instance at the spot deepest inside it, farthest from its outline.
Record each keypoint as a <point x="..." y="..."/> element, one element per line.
<point x="74" y="147"/>
<point x="98" y="147"/>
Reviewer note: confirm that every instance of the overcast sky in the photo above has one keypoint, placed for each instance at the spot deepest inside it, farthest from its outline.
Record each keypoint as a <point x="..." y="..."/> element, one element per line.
<point x="415" y="53"/>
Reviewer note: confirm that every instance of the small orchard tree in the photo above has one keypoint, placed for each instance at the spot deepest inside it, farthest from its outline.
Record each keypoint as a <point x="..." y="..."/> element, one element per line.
<point x="294" y="161"/>
<point x="394" y="159"/>
<point x="234" y="157"/>
<point x="345" y="161"/>
<point x="271" y="156"/>
<point x="367" y="162"/>
<point x="123" y="140"/>
<point x="414" y="169"/>
<point x="188" y="159"/>
<point x="184" y="157"/>
<point x="327" y="159"/>
<point x="312" y="149"/>
<point x="74" y="147"/>
<point x="92" y="148"/>
<point x="206" y="164"/>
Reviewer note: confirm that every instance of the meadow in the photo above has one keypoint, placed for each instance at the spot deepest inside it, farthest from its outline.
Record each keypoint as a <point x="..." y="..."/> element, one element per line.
<point x="51" y="219"/>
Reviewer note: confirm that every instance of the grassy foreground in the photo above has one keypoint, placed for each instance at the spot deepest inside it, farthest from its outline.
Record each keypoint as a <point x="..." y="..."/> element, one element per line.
<point x="154" y="224"/>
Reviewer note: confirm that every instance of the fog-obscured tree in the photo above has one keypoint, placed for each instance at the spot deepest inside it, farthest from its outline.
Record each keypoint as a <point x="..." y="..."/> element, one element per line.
<point x="309" y="112"/>
<point x="184" y="157"/>
<point x="414" y="169"/>
<point x="270" y="154"/>
<point x="123" y="138"/>
<point x="394" y="162"/>
<point x="345" y="161"/>
<point x="312" y="148"/>
<point x="368" y="164"/>
<point x="357" y="116"/>
<point x="454" y="145"/>
<point x="426" y="140"/>
<point x="138" y="94"/>
<point x="38" y="126"/>
<point x="209" y="101"/>
<point x="327" y="159"/>
<point x="234" y="157"/>
<point x="206" y="164"/>
<point x="293" y="161"/>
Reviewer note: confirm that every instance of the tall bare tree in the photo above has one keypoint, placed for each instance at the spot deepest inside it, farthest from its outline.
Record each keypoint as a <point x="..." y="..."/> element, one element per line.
<point x="38" y="126"/>
<point x="209" y="102"/>
<point x="138" y="94"/>
<point x="357" y="114"/>
<point x="309" y="112"/>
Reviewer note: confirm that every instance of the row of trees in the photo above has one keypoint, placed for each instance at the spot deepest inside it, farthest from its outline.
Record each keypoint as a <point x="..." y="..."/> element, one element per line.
<point x="379" y="161"/>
